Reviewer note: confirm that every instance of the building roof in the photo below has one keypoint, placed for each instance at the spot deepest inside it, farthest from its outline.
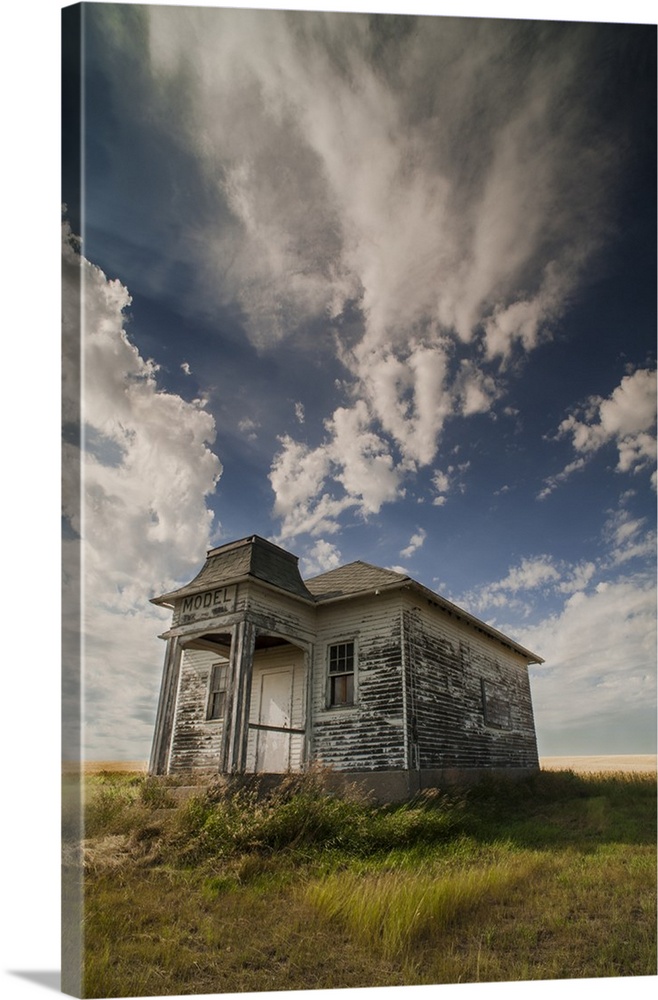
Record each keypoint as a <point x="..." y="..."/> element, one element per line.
<point x="362" y="578"/>
<point x="253" y="557"/>
<point x="354" y="578"/>
<point x="256" y="558"/>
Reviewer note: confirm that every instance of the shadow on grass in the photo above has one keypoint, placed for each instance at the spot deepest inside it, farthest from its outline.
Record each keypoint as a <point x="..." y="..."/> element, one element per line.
<point x="563" y="809"/>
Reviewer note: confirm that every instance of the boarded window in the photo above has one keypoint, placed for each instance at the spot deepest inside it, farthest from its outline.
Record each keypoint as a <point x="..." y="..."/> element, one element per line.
<point x="217" y="692"/>
<point x="341" y="674"/>
<point x="496" y="706"/>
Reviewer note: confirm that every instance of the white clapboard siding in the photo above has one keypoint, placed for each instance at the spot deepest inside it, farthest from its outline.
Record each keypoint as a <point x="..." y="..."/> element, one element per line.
<point x="447" y="661"/>
<point x="368" y="736"/>
<point x="197" y="741"/>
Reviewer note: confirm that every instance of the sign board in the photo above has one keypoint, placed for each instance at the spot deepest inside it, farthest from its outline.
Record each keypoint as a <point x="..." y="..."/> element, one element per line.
<point x="207" y="604"/>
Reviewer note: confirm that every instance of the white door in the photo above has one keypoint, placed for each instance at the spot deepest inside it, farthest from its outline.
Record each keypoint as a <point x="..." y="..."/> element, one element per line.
<point x="273" y="753"/>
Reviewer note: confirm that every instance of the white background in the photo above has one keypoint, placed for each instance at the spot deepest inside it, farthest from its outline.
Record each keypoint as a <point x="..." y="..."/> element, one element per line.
<point x="30" y="575"/>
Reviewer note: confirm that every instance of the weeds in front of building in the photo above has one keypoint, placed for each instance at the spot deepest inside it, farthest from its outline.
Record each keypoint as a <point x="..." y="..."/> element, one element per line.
<point x="234" y="891"/>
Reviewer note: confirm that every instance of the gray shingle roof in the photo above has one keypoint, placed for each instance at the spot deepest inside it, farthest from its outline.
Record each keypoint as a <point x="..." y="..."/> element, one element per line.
<point x="354" y="578"/>
<point x="253" y="556"/>
<point x="262" y="560"/>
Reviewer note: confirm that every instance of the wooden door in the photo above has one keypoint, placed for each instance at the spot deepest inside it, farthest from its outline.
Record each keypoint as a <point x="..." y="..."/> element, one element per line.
<point x="275" y="710"/>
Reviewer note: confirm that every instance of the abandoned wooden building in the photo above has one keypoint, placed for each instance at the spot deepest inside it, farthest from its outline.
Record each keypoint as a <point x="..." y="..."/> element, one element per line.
<point x="361" y="668"/>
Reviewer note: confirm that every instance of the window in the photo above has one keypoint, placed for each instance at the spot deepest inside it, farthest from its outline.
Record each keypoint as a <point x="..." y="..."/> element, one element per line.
<point x="341" y="674"/>
<point x="217" y="692"/>
<point x="495" y="706"/>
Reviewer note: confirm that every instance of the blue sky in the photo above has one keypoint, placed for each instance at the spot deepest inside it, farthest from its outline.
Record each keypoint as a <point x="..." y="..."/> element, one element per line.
<point x="375" y="288"/>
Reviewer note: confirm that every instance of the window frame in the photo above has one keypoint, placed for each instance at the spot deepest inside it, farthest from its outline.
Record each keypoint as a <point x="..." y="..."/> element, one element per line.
<point x="350" y="656"/>
<point x="496" y="706"/>
<point x="217" y="685"/>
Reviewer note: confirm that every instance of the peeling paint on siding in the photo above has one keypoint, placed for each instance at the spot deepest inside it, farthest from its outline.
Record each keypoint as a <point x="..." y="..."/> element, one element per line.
<point x="445" y="674"/>
<point x="197" y="741"/>
<point x="434" y="689"/>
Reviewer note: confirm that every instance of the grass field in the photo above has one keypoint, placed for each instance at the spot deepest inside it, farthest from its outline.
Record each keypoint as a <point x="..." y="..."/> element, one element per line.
<point x="550" y="879"/>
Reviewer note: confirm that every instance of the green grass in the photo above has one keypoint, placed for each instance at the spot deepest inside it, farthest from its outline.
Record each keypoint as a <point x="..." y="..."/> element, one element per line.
<point x="548" y="879"/>
<point x="394" y="911"/>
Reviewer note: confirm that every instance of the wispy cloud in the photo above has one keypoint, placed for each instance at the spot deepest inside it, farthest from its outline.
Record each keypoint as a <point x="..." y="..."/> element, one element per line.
<point x="599" y="641"/>
<point x="628" y="537"/>
<point x="512" y="591"/>
<point x="353" y="468"/>
<point x="415" y="542"/>
<point x="248" y="427"/>
<point x="454" y="205"/>
<point x="625" y="419"/>
<point x="320" y="558"/>
<point x="600" y="653"/>
<point x="447" y="481"/>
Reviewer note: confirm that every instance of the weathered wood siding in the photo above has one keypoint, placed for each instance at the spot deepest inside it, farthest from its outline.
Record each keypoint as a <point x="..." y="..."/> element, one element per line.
<point x="431" y="691"/>
<point x="268" y="609"/>
<point x="280" y="658"/>
<point x="196" y="742"/>
<point x="278" y="614"/>
<point x="369" y="735"/>
<point x="446" y="665"/>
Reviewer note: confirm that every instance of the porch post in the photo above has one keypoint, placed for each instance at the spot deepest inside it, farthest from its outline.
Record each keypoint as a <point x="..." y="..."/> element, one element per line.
<point x="309" y="655"/>
<point x="164" y="720"/>
<point x="243" y="642"/>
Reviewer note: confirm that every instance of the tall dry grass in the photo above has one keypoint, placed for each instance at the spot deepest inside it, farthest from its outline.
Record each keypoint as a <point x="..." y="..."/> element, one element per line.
<point x="394" y="911"/>
<point x="551" y="878"/>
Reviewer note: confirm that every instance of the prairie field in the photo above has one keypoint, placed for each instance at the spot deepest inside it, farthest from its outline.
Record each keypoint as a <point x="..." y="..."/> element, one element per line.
<point x="593" y="764"/>
<point x="231" y="891"/>
<point x="582" y="765"/>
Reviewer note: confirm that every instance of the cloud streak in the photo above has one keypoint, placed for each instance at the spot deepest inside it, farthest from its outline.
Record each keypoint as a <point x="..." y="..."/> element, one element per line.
<point x="429" y="174"/>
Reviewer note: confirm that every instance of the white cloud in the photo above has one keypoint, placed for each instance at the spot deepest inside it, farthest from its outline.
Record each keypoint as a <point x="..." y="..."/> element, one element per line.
<point x="299" y="413"/>
<point x="577" y="577"/>
<point x="353" y="462"/>
<point x="475" y="390"/>
<point x="186" y="368"/>
<point x="147" y="467"/>
<point x="598" y="644"/>
<point x="526" y="323"/>
<point x="518" y="590"/>
<point x="441" y="481"/>
<point x="320" y="558"/>
<point x="298" y="476"/>
<point x="446" y="482"/>
<point x="626" y="418"/>
<point x="398" y="569"/>
<point x="248" y="427"/>
<point x="355" y="182"/>
<point x="367" y="469"/>
<point x="415" y="542"/>
<point x="628" y="537"/>
<point x="529" y="574"/>
<point x="552" y="482"/>
<point x="600" y="653"/>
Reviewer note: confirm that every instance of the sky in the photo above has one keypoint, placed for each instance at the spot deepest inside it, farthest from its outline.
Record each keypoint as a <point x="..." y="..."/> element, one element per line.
<point x="373" y="287"/>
